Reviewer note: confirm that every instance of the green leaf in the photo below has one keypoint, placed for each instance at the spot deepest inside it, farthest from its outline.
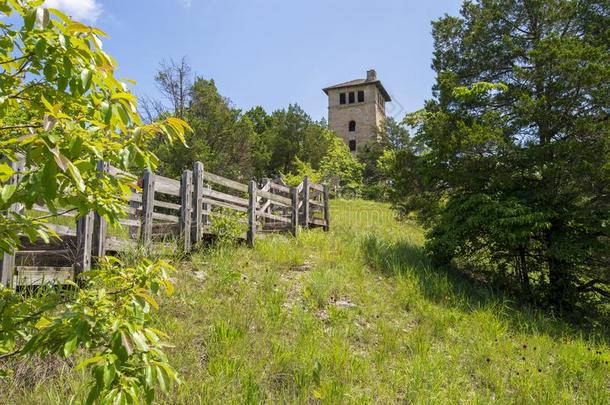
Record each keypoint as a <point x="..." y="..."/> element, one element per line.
<point x="140" y="341"/>
<point x="7" y="191"/>
<point x="148" y="375"/>
<point x="76" y="176"/>
<point x="49" y="72"/>
<point x="90" y="360"/>
<point x="109" y="373"/>
<point x="40" y="47"/>
<point x="42" y="18"/>
<point x="161" y="379"/>
<point x="6" y="171"/>
<point x="142" y="294"/>
<point x="85" y="76"/>
<point x="106" y="112"/>
<point x="70" y="345"/>
<point x="61" y="160"/>
<point x="123" y="114"/>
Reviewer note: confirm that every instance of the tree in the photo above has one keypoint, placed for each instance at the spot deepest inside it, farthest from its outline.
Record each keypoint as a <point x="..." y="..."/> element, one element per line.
<point x="262" y="149"/>
<point x="510" y="162"/>
<point x="174" y="82"/>
<point x="393" y="136"/>
<point x="339" y="167"/>
<point x="293" y="134"/>
<point x="222" y="137"/>
<point x="62" y="110"/>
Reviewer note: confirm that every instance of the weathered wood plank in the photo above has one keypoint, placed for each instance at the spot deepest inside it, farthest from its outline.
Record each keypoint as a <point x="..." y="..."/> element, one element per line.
<point x="115" y="244"/>
<point x="207" y="209"/>
<point x="136" y="197"/>
<point x="280" y="188"/>
<point x="266" y="184"/>
<point x="59" y="213"/>
<point x="132" y="209"/>
<point x="295" y="211"/>
<point x="225" y="182"/>
<point x="166" y="217"/>
<point x="317" y="221"/>
<point x="272" y="216"/>
<point x="225" y="197"/>
<point x="316" y="186"/>
<point x="130" y="222"/>
<point x="186" y="200"/>
<point x="196" y="227"/>
<point x="164" y="204"/>
<point x="167" y="186"/>
<point x="316" y="203"/>
<point x="39" y="275"/>
<point x="225" y="205"/>
<point x="306" y="201"/>
<point x="84" y="238"/>
<point x="266" y="206"/>
<point x="115" y="171"/>
<point x="8" y="259"/>
<point x="62" y="230"/>
<point x="134" y="213"/>
<point x="251" y="212"/>
<point x="275" y="197"/>
<point x="326" y="209"/>
<point x="100" y="226"/>
<point x="148" y="201"/>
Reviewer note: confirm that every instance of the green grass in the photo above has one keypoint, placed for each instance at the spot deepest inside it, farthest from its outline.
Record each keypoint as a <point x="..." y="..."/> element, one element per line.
<point x="357" y="315"/>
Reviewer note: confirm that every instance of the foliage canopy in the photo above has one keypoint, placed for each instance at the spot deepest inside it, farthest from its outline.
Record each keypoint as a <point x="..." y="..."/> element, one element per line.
<point x="510" y="164"/>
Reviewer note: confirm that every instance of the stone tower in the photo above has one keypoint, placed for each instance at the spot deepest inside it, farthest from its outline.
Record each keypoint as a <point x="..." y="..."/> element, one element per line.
<point x="356" y="109"/>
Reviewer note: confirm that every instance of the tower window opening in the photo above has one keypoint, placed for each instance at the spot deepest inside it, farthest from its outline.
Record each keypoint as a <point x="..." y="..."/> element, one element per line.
<point x="352" y="126"/>
<point x="342" y="98"/>
<point x="352" y="97"/>
<point x="361" y="96"/>
<point x="352" y="145"/>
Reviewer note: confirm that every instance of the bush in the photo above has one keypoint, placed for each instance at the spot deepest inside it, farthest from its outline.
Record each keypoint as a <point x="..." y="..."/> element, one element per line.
<point x="107" y="321"/>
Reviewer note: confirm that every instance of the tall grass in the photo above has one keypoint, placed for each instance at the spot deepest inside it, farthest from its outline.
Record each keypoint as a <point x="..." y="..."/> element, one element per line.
<point x="358" y="315"/>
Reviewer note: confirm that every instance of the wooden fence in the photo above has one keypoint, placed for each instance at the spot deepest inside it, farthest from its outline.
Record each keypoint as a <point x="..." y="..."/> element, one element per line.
<point x="164" y="208"/>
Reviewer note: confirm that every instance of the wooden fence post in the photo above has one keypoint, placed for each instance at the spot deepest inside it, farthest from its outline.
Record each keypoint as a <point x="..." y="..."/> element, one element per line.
<point x="7" y="264"/>
<point x="326" y="208"/>
<point x="306" y="202"/>
<point x="84" y="239"/>
<point x="266" y="186"/>
<point x="294" y="194"/>
<point x="133" y="230"/>
<point x="197" y="228"/>
<point x="186" y="212"/>
<point x="98" y="242"/>
<point x="148" y="203"/>
<point x="207" y="208"/>
<point x="251" y="212"/>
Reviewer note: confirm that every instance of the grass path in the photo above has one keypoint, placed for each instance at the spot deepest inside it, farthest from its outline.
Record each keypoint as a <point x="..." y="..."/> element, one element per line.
<point x="357" y="315"/>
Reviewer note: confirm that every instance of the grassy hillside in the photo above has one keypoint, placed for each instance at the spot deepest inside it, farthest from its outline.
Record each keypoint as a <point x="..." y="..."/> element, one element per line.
<point x="357" y="315"/>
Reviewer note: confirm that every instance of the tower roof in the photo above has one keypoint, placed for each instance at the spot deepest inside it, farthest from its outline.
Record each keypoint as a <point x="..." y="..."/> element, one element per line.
<point x="371" y="78"/>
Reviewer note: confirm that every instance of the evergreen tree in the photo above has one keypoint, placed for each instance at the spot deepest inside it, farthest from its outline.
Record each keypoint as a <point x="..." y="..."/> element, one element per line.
<point x="510" y="165"/>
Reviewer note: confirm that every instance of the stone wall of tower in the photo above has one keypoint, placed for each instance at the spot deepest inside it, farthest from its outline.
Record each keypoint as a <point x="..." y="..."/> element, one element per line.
<point x="367" y="115"/>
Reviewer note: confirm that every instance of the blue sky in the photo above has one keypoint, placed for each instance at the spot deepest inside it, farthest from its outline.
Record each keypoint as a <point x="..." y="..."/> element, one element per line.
<point x="274" y="52"/>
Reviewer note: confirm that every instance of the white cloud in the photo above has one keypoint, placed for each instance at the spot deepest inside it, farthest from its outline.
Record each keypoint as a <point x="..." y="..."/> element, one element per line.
<point x="78" y="9"/>
<point x="186" y="3"/>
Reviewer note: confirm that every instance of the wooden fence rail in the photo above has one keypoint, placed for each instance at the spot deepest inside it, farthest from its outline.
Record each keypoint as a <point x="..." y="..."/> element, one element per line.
<point x="160" y="208"/>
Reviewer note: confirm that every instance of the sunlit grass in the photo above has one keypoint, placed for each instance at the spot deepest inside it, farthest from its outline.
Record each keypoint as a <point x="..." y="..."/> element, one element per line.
<point x="358" y="315"/>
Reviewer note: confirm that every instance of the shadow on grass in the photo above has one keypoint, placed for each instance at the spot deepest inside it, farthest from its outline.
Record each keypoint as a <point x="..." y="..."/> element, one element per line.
<point x="403" y="259"/>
